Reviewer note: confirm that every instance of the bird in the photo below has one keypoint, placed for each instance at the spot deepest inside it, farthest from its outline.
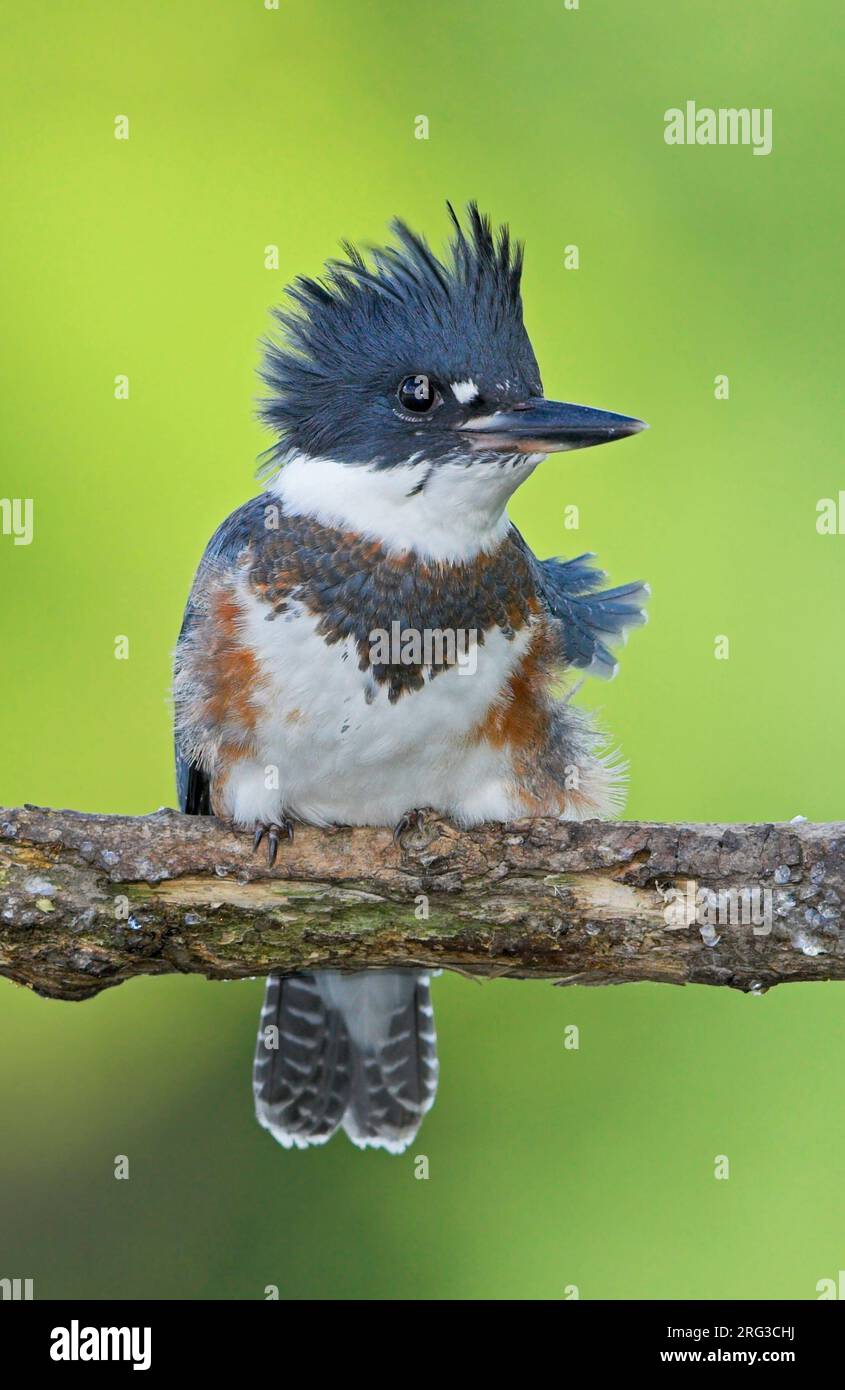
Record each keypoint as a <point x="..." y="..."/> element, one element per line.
<point x="370" y="639"/>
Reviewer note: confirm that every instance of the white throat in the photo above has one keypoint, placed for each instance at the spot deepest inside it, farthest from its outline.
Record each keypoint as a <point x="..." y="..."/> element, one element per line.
<point x="458" y="512"/>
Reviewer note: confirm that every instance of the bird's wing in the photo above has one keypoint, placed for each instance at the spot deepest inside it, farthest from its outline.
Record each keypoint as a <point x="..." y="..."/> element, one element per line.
<point x="246" y="526"/>
<point x="589" y="619"/>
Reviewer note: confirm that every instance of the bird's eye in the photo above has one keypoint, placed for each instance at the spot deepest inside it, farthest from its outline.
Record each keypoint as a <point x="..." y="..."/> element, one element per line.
<point x="418" y="393"/>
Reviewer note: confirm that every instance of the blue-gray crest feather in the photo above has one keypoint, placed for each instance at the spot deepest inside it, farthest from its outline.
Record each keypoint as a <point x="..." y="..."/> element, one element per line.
<point x="349" y="337"/>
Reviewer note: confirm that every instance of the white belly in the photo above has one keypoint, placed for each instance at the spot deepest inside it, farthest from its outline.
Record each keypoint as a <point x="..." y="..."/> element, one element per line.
<point x="332" y="747"/>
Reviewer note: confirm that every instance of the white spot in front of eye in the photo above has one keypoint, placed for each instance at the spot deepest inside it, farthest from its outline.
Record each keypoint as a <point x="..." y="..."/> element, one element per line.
<point x="465" y="391"/>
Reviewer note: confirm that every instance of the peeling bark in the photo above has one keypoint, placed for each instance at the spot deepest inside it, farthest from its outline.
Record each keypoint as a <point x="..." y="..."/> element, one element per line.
<point x="87" y="901"/>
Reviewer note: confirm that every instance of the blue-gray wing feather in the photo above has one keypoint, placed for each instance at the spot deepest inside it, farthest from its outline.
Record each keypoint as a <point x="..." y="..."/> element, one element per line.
<point x="247" y="523"/>
<point x="589" y="619"/>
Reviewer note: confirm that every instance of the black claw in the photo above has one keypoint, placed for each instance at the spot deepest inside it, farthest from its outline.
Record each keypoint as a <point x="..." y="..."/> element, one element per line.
<point x="412" y="820"/>
<point x="273" y="831"/>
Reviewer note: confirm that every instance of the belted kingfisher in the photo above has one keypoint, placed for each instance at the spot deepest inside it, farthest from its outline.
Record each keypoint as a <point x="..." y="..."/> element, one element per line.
<point x="408" y="408"/>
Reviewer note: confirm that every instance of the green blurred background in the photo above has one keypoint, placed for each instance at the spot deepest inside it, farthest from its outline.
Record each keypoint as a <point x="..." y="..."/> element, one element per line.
<point x="252" y="127"/>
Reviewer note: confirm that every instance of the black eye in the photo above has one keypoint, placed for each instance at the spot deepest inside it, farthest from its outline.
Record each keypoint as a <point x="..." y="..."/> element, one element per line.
<point x="418" y="393"/>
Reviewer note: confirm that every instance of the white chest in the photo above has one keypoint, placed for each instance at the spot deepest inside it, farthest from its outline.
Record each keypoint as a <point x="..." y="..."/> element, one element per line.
<point x="332" y="746"/>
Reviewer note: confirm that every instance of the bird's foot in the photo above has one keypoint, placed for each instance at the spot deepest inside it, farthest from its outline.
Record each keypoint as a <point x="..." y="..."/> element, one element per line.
<point x="412" y="820"/>
<point x="275" y="830"/>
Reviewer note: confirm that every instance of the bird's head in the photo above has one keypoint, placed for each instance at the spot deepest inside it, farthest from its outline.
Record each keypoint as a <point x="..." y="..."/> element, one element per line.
<point x="421" y="367"/>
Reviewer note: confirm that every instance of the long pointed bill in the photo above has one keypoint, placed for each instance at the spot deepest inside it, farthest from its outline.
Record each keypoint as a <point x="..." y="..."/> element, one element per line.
<point x="548" y="427"/>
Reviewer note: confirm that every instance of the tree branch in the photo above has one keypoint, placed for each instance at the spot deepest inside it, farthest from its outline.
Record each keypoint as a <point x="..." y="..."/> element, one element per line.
<point x="87" y="901"/>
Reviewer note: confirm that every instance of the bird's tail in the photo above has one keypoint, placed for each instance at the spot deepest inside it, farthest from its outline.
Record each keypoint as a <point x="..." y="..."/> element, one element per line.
<point x="355" y="1050"/>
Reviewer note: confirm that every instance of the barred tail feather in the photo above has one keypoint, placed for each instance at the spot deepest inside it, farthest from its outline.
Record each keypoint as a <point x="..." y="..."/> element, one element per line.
<point x="357" y="1050"/>
<point x="301" y="1074"/>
